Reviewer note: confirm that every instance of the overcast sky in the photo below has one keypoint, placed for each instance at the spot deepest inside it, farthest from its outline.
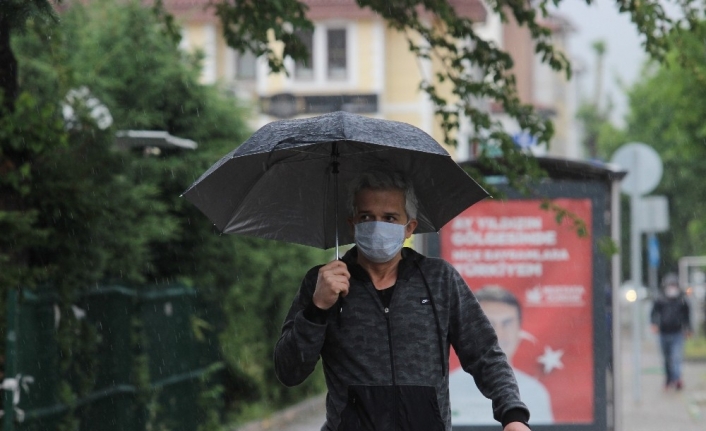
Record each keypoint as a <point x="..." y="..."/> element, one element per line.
<point x="624" y="57"/>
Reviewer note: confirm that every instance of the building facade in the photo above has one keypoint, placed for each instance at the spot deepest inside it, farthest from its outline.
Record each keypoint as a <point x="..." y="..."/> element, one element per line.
<point x="358" y="64"/>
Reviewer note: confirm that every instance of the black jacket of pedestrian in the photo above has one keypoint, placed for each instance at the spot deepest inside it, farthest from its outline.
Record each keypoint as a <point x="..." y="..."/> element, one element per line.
<point x="671" y="315"/>
<point x="386" y="368"/>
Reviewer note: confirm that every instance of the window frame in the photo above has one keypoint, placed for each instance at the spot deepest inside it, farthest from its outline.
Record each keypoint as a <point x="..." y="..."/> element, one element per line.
<point x="321" y="80"/>
<point x="309" y="69"/>
<point x="332" y="73"/>
<point x="237" y="66"/>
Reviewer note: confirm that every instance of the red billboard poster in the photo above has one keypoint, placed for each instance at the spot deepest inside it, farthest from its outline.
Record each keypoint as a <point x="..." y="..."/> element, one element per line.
<point x="533" y="279"/>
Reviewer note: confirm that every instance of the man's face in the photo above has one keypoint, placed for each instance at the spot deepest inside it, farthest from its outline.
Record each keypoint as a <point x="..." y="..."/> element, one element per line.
<point x="382" y="205"/>
<point x="672" y="291"/>
<point x="505" y="319"/>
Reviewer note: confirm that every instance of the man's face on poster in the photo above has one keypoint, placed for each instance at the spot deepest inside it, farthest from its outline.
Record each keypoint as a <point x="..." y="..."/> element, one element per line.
<point x="505" y="319"/>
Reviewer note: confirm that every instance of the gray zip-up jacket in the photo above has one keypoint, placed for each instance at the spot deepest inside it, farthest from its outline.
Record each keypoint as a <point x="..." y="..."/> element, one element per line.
<point x="387" y="368"/>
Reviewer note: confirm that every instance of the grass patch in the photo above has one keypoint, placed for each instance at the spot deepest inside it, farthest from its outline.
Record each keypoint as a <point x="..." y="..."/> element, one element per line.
<point x="695" y="348"/>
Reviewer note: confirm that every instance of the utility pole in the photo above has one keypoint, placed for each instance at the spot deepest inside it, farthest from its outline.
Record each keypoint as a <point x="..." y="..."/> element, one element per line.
<point x="599" y="48"/>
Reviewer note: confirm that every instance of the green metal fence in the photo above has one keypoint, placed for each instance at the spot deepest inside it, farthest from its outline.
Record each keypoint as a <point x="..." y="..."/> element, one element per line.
<point x="161" y="333"/>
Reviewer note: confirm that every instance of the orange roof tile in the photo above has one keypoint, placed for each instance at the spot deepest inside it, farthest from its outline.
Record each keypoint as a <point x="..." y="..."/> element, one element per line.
<point x="319" y="9"/>
<point x="190" y="10"/>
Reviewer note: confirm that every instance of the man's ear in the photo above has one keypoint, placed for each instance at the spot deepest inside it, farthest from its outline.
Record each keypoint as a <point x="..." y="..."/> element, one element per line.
<point x="411" y="226"/>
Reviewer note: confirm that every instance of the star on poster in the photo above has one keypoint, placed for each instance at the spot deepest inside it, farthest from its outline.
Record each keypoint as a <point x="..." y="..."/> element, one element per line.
<point x="551" y="359"/>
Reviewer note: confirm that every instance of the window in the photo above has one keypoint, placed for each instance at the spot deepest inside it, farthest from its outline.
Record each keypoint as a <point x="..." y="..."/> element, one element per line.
<point x="245" y="66"/>
<point x="336" y="53"/>
<point x="328" y="55"/>
<point x="305" y="69"/>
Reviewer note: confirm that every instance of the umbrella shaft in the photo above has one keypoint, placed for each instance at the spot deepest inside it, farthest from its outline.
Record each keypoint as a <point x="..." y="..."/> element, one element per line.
<point x="334" y="171"/>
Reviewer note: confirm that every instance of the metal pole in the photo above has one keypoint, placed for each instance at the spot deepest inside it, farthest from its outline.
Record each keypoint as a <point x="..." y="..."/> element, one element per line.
<point x="616" y="277"/>
<point x="636" y="275"/>
<point x="10" y="359"/>
<point x="652" y="267"/>
<point x="683" y="273"/>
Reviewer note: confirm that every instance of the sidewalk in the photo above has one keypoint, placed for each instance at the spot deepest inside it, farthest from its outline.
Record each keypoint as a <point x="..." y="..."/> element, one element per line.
<point x="656" y="409"/>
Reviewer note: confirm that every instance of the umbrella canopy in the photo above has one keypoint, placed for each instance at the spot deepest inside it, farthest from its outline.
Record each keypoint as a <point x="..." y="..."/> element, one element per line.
<point x="283" y="182"/>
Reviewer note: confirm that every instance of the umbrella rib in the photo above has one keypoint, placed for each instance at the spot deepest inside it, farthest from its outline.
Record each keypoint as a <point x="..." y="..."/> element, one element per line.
<point x="289" y="160"/>
<point x="376" y="150"/>
<point x="322" y="156"/>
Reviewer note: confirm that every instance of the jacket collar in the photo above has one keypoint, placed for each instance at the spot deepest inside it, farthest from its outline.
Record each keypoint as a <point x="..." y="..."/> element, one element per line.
<point x="404" y="270"/>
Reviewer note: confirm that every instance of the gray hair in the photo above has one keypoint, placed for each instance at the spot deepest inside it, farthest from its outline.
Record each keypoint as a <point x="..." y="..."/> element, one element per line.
<point x="670" y="279"/>
<point x="384" y="180"/>
<point x="493" y="293"/>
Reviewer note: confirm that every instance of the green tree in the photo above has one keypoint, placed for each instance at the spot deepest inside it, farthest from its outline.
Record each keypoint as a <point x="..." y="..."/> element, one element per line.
<point x="111" y="215"/>
<point x="592" y="115"/>
<point x="666" y="111"/>
<point x="14" y="15"/>
<point x="20" y="143"/>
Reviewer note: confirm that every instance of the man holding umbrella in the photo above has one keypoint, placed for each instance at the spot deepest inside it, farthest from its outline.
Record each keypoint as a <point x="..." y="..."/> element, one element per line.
<point x="382" y="320"/>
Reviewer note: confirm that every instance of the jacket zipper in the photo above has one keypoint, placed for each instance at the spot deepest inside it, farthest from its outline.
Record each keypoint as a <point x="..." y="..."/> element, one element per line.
<point x="392" y="368"/>
<point x="389" y="339"/>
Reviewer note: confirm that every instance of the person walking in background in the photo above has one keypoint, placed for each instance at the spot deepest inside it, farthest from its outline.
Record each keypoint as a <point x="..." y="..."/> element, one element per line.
<point x="671" y="319"/>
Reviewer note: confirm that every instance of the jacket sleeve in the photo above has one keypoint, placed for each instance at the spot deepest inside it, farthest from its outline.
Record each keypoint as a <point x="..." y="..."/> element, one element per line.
<point x="476" y="345"/>
<point x="298" y="349"/>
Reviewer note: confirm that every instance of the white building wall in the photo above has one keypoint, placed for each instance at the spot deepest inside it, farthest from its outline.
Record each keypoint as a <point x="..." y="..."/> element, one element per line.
<point x="544" y="84"/>
<point x="209" y="72"/>
<point x="379" y="55"/>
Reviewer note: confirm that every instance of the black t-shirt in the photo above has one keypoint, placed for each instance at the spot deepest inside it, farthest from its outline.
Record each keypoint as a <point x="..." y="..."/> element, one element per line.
<point x="386" y="295"/>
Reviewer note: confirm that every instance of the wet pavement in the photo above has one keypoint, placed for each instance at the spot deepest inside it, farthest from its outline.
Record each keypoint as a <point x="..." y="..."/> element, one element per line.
<point x="653" y="410"/>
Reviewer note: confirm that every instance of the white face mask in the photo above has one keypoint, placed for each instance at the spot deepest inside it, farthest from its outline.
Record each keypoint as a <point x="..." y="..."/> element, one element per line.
<point x="671" y="291"/>
<point x="379" y="241"/>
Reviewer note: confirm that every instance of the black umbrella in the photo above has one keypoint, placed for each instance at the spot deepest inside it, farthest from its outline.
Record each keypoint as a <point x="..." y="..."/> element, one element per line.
<point x="283" y="182"/>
